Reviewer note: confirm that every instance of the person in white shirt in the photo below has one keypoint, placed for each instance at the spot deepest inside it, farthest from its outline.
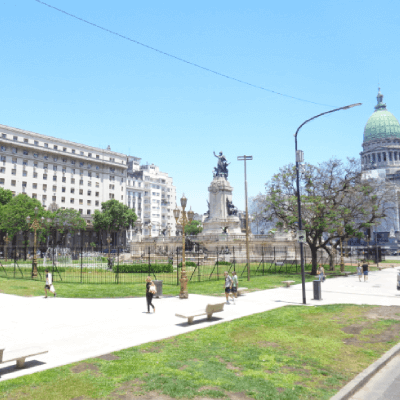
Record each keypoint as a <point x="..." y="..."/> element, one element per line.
<point x="235" y="284"/>
<point x="49" y="284"/>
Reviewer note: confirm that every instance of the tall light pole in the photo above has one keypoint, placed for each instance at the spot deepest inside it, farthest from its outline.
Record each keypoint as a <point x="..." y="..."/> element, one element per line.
<point x="183" y="220"/>
<point x="299" y="159"/>
<point x="245" y="158"/>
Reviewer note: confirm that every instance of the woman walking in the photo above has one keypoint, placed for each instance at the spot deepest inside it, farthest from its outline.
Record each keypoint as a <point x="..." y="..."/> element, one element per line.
<point x="49" y="284"/>
<point x="359" y="271"/>
<point x="321" y="272"/>
<point x="365" y="268"/>
<point x="149" y="294"/>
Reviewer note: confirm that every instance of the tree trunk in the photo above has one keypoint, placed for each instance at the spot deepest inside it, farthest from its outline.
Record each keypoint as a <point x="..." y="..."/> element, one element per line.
<point x="314" y="260"/>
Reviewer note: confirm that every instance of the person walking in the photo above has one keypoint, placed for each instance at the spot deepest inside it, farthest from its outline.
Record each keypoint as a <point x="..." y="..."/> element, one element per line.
<point x="359" y="271"/>
<point x="365" y="268"/>
<point x="149" y="294"/>
<point x="321" y="272"/>
<point x="49" y="284"/>
<point x="235" y="284"/>
<point x="228" y="285"/>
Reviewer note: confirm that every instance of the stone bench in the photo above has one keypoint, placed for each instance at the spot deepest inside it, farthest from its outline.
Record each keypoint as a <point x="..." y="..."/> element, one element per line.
<point x="279" y="263"/>
<point x="20" y="355"/>
<point x="288" y="283"/>
<point x="241" y="290"/>
<point x="209" y="311"/>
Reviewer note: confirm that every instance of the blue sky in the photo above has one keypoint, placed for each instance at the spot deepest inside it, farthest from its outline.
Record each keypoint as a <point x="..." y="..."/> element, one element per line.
<point x="64" y="78"/>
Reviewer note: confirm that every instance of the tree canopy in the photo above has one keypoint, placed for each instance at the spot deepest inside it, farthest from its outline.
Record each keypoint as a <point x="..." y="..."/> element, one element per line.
<point x="5" y="196"/>
<point x="337" y="202"/>
<point x="193" y="228"/>
<point x="113" y="217"/>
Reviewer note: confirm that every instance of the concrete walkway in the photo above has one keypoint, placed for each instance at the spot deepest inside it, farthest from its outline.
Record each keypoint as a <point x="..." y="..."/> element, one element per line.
<point x="77" y="329"/>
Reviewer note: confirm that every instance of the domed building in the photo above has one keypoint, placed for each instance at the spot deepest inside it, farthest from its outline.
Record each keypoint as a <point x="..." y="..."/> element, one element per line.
<point x="380" y="158"/>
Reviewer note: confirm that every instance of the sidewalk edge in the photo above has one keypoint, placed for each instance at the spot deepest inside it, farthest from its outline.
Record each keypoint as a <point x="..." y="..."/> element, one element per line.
<point x="362" y="378"/>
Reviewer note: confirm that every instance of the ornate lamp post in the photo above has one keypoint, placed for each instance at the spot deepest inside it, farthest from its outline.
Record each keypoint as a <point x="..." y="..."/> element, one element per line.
<point x="35" y="226"/>
<point x="183" y="220"/>
<point x="6" y="239"/>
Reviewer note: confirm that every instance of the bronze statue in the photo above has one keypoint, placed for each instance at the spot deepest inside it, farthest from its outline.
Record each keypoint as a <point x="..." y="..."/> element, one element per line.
<point x="222" y="167"/>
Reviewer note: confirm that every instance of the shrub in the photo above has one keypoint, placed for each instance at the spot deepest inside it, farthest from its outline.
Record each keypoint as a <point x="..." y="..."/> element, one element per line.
<point x="188" y="264"/>
<point x="143" y="268"/>
<point x="223" y="263"/>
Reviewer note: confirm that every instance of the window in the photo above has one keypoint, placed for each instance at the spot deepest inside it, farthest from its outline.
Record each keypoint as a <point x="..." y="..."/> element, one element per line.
<point x="89" y="165"/>
<point x="64" y="179"/>
<point x="122" y="197"/>
<point x="62" y="199"/>
<point x="111" y="196"/>
<point x="45" y="176"/>
<point x="2" y="170"/>
<point x="72" y="190"/>
<point x="64" y="160"/>
<point x="54" y="178"/>
<point x="97" y="167"/>
<point x="13" y="183"/>
<point x="45" y="187"/>
<point x="54" y="188"/>
<point x="24" y="162"/>
<point x="35" y="174"/>
<point x="3" y="148"/>
<point x="24" y="173"/>
<point x="55" y="159"/>
<point x="89" y="192"/>
<point x="72" y="170"/>
<point x="112" y="169"/>
<point x="35" y="155"/>
<point x="97" y="184"/>
<point x="3" y="135"/>
<point x="122" y="180"/>
<point x="14" y="172"/>
<point x="14" y="150"/>
<point x="46" y="157"/>
<point x="80" y="201"/>
<point x="89" y="183"/>
<point x="24" y="184"/>
<point x="96" y="203"/>
<point x="72" y="201"/>
<point x="111" y="187"/>
<point x="81" y="164"/>
<point x="82" y="153"/>
<point x="73" y="151"/>
<point x="89" y="202"/>
<point x="62" y="189"/>
<point x="89" y="174"/>
<point x="89" y="154"/>
<point x="97" y="156"/>
<point x="55" y="147"/>
<point x="72" y="180"/>
<point x="54" y="167"/>
<point x="73" y="162"/>
<point x="97" y="194"/>
<point x="45" y="166"/>
<point x="44" y="196"/>
<point x="64" y="170"/>
<point x="36" y="143"/>
<point x="81" y="192"/>
<point x="34" y="196"/>
<point x="81" y="182"/>
<point x="112" y="178"/>
<point x="14" y="160"/>
<point x="25" y="152"/>
<point x="46" y="144"/>
<point x="88" y="212"/>
<point x="53" y="198"/>
<point x="15" y="138"/>
<point x="64" y="149"/>
<point x="80" y="211"/>
<point x="34" y="185"/>
<point x="112" y="159"/>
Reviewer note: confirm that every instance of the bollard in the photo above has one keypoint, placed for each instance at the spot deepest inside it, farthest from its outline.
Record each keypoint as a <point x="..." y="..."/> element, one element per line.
<point x="317" y="290"/>
<point x="158" y="287"/>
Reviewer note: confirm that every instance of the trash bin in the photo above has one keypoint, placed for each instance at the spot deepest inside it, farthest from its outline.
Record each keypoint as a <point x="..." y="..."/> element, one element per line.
<point x="159" y="288"/>
<point x="317" y="290"/>
<point x="398" y="281"/>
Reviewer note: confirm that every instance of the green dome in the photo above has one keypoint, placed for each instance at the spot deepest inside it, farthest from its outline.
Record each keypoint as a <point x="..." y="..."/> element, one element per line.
<point x="382" y="124"/>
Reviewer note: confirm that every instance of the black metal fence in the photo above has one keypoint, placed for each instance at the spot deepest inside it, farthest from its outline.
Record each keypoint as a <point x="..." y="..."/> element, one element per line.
<point x="116" y="265"/>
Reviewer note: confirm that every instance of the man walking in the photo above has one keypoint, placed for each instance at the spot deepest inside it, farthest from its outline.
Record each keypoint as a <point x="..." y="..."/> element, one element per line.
<point x="228" y="285"/>
<point x="49" y="284"/>
<point x="235" y="284"/>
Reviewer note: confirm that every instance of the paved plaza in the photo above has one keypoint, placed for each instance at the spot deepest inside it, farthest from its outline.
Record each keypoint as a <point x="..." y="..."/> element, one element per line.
<point x="77" y="329"/>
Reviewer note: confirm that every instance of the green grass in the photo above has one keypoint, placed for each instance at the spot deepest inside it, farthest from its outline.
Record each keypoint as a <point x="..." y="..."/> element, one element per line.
<point x="289" y="353"/>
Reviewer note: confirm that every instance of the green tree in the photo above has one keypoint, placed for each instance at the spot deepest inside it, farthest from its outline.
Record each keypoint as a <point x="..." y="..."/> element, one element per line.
<point x="64" y="222"/>
<point x="193" y="228"/>
<point x="337" y="203"/>
<point x="13" y="217"/>
<point x="113" y="217"/>
<point x="5" y="196"/>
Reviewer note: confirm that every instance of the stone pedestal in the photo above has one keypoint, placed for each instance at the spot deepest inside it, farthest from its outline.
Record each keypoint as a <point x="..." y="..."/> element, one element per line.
<point x="220" y="191"/>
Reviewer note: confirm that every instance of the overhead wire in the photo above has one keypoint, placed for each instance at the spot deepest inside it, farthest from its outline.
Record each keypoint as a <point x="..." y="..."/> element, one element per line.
<point x="179" y="58"/>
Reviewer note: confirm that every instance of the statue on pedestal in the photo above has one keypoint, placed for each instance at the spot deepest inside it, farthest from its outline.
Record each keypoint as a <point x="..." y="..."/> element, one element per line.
<point x="232" y="210"/>
<point x="222" y="167"/>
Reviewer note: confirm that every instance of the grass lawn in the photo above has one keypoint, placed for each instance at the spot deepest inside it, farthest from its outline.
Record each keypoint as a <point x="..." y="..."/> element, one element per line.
<point x="289" y="353"/>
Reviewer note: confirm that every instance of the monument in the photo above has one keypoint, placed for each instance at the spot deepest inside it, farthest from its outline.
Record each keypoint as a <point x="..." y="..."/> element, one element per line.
<point x="222" y="215"/>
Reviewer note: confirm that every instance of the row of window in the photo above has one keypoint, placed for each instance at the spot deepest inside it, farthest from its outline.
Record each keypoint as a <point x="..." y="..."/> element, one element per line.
<point x="55" y="147"/>
<point x="379" y="157"/>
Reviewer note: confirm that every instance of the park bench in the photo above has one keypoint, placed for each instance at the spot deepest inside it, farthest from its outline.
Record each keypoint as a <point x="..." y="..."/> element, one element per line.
<point x="279" y="263"/>
<point x="209" y="311"/>
<point x="288" y="283"/>
<point x="20" y="355"/>
<point x="241" y="290"/>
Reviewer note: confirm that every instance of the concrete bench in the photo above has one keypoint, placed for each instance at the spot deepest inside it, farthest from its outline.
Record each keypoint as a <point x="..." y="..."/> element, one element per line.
<point x="279" y="263"/>
<point x="241" y="290"/>
<point x="288" y="283"/>
<point x="20" y="355"/>
<point x="209" y="311"/>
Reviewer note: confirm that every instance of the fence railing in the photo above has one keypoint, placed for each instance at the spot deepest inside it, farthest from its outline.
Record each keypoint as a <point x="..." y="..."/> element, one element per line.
<point x="113" y="265"/>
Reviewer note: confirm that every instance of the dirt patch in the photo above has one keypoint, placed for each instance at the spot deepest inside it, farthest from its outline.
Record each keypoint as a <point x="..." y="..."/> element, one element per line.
<point x="108" y="357"/>
<point x="389" y="335"/>
<point x="356" y="329"/>
<point x="203" y="388"/>
<point x="85" y="367"/>
<point x="127" y="391"/>
<point x="263" y="343"/>
<point x="384" y="312"/>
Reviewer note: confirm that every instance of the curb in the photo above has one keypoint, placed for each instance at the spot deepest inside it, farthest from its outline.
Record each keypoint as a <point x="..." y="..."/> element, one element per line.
<point x="362" y="378"/>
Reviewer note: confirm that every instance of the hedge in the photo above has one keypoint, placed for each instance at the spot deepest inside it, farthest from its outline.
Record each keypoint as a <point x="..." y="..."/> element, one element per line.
<point x="142" y="268"/>
<point x="188" y="264"/>
<point x="223" y="263"/>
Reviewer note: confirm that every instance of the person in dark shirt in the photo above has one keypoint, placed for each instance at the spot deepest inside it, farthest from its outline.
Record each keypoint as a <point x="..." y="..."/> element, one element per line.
<point x="365" y="268"/>
<point x="149" y="295"/>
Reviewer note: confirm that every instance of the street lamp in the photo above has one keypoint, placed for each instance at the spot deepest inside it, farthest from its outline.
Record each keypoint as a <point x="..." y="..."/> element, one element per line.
<point x="299" y="159"/>
<point x="244" y="158"/>
<point x="35" y="226"/>
<point x="183" y="220"/>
